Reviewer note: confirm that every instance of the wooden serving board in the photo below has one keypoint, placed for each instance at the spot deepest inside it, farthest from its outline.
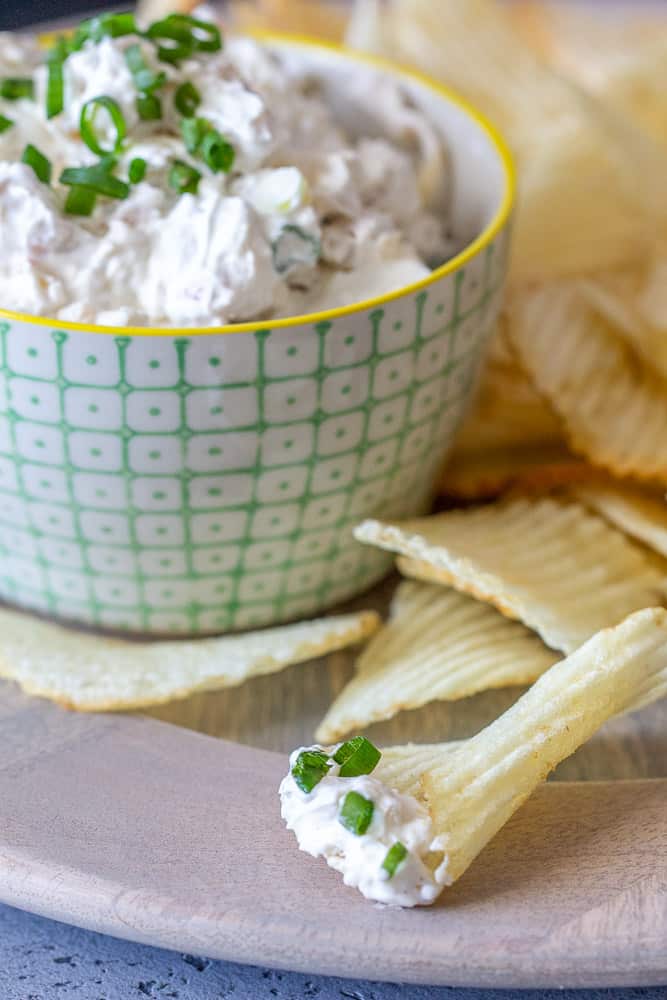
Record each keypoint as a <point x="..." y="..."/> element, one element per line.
<point x="152" y="832"/>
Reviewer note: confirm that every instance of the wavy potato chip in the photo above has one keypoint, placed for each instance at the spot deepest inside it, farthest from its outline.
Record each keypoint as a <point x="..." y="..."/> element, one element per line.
<point x="481" y="475"/>
<point x="613" y="408"/>
<point x="580" y="206"/>
<point x="559" y="569"/>
<point x="402" y="767"/>
<point x="439" y="645"/>
<point x="636" y="512"/>
<point x="95" y="673"/>
<point x="472" y="791"/>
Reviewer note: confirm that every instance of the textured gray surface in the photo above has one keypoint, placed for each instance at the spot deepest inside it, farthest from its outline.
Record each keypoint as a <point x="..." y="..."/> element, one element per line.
<point x="42" y="960"/>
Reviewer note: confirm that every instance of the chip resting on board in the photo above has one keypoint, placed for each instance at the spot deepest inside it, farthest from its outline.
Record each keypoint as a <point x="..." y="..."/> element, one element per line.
<point x="95" y="673"/>
<point x="613" y="408"/>
<point x="474" y="789"/>
<point x="561" y="570"/>
<point x="439" y="644"/>
<point x="638" y="513"/>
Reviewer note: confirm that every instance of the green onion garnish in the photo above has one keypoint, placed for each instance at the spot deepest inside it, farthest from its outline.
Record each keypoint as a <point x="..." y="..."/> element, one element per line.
<point x="80" y="201"/>
<point x="87" y="124"/>
<point x="216" y="152"/>
<point x="356" y="813"/>
<point x="149" y="107"/>
<point x="309" y="769"/>
<point x="137" y="170"/>
<point x="187" y="99"/>
<point x="184" y="178"/>
<point x="39" y="163"/>
<point x="356" y="756"/>
<point x="181" y="35"/>
<point x="193" y="131"/>
<point x="397" y="853"/>
<point x="146" y="80"/>
<point x="5" y="123"/>
<point x="96" y="28"/>
<point x="294" y="246"/>
<point x="97" y="178"/>
<point x="13" y="89"/>
<point x="55" y="85"/>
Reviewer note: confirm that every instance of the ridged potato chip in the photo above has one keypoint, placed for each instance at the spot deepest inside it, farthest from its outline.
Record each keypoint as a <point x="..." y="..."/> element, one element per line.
<point x="402" y="767"/>
<point x="580" y="206"/>
<point x="472" y="475"/>
<point x="473" y="790"/>
<point x="439" y="645"/>
<point x="95" y="673"/>
<point x="561" y="570"/>
<point x="613" y="407"/>
<point x="636" y="512"/>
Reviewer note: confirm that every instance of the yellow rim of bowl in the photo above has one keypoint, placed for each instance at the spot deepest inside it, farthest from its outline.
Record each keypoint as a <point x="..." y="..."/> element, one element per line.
<point x="471" y="250"/>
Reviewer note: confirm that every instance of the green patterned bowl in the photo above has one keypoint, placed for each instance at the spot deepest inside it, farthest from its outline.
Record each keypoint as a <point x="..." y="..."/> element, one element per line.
<point x="195" y="481"/>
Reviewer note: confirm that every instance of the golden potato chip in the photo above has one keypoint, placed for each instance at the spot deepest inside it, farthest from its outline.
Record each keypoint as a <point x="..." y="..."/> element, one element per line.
<point x="473" y="790"/>
<point x="580" y="206"/>
<point x="95" y="673"/>
<point x="636" y="512"/>
<point x="613" y="408"/>
<point x="402" y="767"/>
<point x="561" y="570"/>
<point x="304" y="17"/>
<point x="481" y="475"/>
<point x="439" y="645"/>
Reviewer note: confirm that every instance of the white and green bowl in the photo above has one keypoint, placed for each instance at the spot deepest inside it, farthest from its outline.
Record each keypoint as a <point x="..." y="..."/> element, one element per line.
<point x="200" y="480"/>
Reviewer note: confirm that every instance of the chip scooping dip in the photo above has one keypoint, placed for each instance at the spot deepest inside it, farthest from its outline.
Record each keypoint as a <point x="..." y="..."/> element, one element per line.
<point x="402" y="835"/>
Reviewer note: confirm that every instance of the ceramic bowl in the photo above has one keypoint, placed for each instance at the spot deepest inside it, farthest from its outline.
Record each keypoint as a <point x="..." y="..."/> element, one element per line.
<point x="200" y="480"/>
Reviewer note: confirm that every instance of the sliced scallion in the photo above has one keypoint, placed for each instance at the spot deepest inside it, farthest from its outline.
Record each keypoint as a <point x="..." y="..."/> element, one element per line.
<point x="55" y="88"/>
<point x="396" y="854"/>
<point x="137" y="170"/>
<point x="309" y="769"/>
<point x="80" y="201"/>
<point x="39" y="163"/>
<point x="13" y="88"/>
<point x="112" y="25"/>
<point x="179" y="35"/>
<point x="356" y="813"/>
<point x="88" y="119"/>
<point x="184" y="178"/>
<point x="187" y="99"/>
<point x="97" y="178"/>
<point x="5" y="123"/>
<point x="149" y="107"/>
<point x="206" y="37"/>
<point x="216" y="152"/>
<point x="146" y="80"/>
<point x="356" y="756"/>
<point x="193" y="131"/>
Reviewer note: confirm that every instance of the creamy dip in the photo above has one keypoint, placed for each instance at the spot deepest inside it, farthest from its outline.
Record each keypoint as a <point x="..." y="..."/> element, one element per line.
<point x="306" y="217"/>
<point x="403" y="877"/>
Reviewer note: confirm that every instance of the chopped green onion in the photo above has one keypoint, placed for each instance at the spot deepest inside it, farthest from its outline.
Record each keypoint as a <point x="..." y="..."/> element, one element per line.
<point x="80" y="201"/>
<point x="184" y="35"/>
<point x="193" y="131"/>
<point x="55" y="87"/>
<point x="87" y="124"/>
<point x="149" y="107"/>
<point x="146" y="80"/>
<point x="97" y="178"/>
<point x="356" y="756"/>
<point x="187" y="99"/>
<point x="397" y="853"/>
<point x="39" y="163"/>
<point x="184" y="178"/>
<point x="96" y="28"/>
<point x="309" y="769"/>
<point x="356" y="813"/>
<point x="137" y="170"/>
<point x="13" y="89"/>
<point x="294" y="246"/>
<point x="206" y="37"/>
<point x="216" y="152"/>
<point x="5" y="123"/>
